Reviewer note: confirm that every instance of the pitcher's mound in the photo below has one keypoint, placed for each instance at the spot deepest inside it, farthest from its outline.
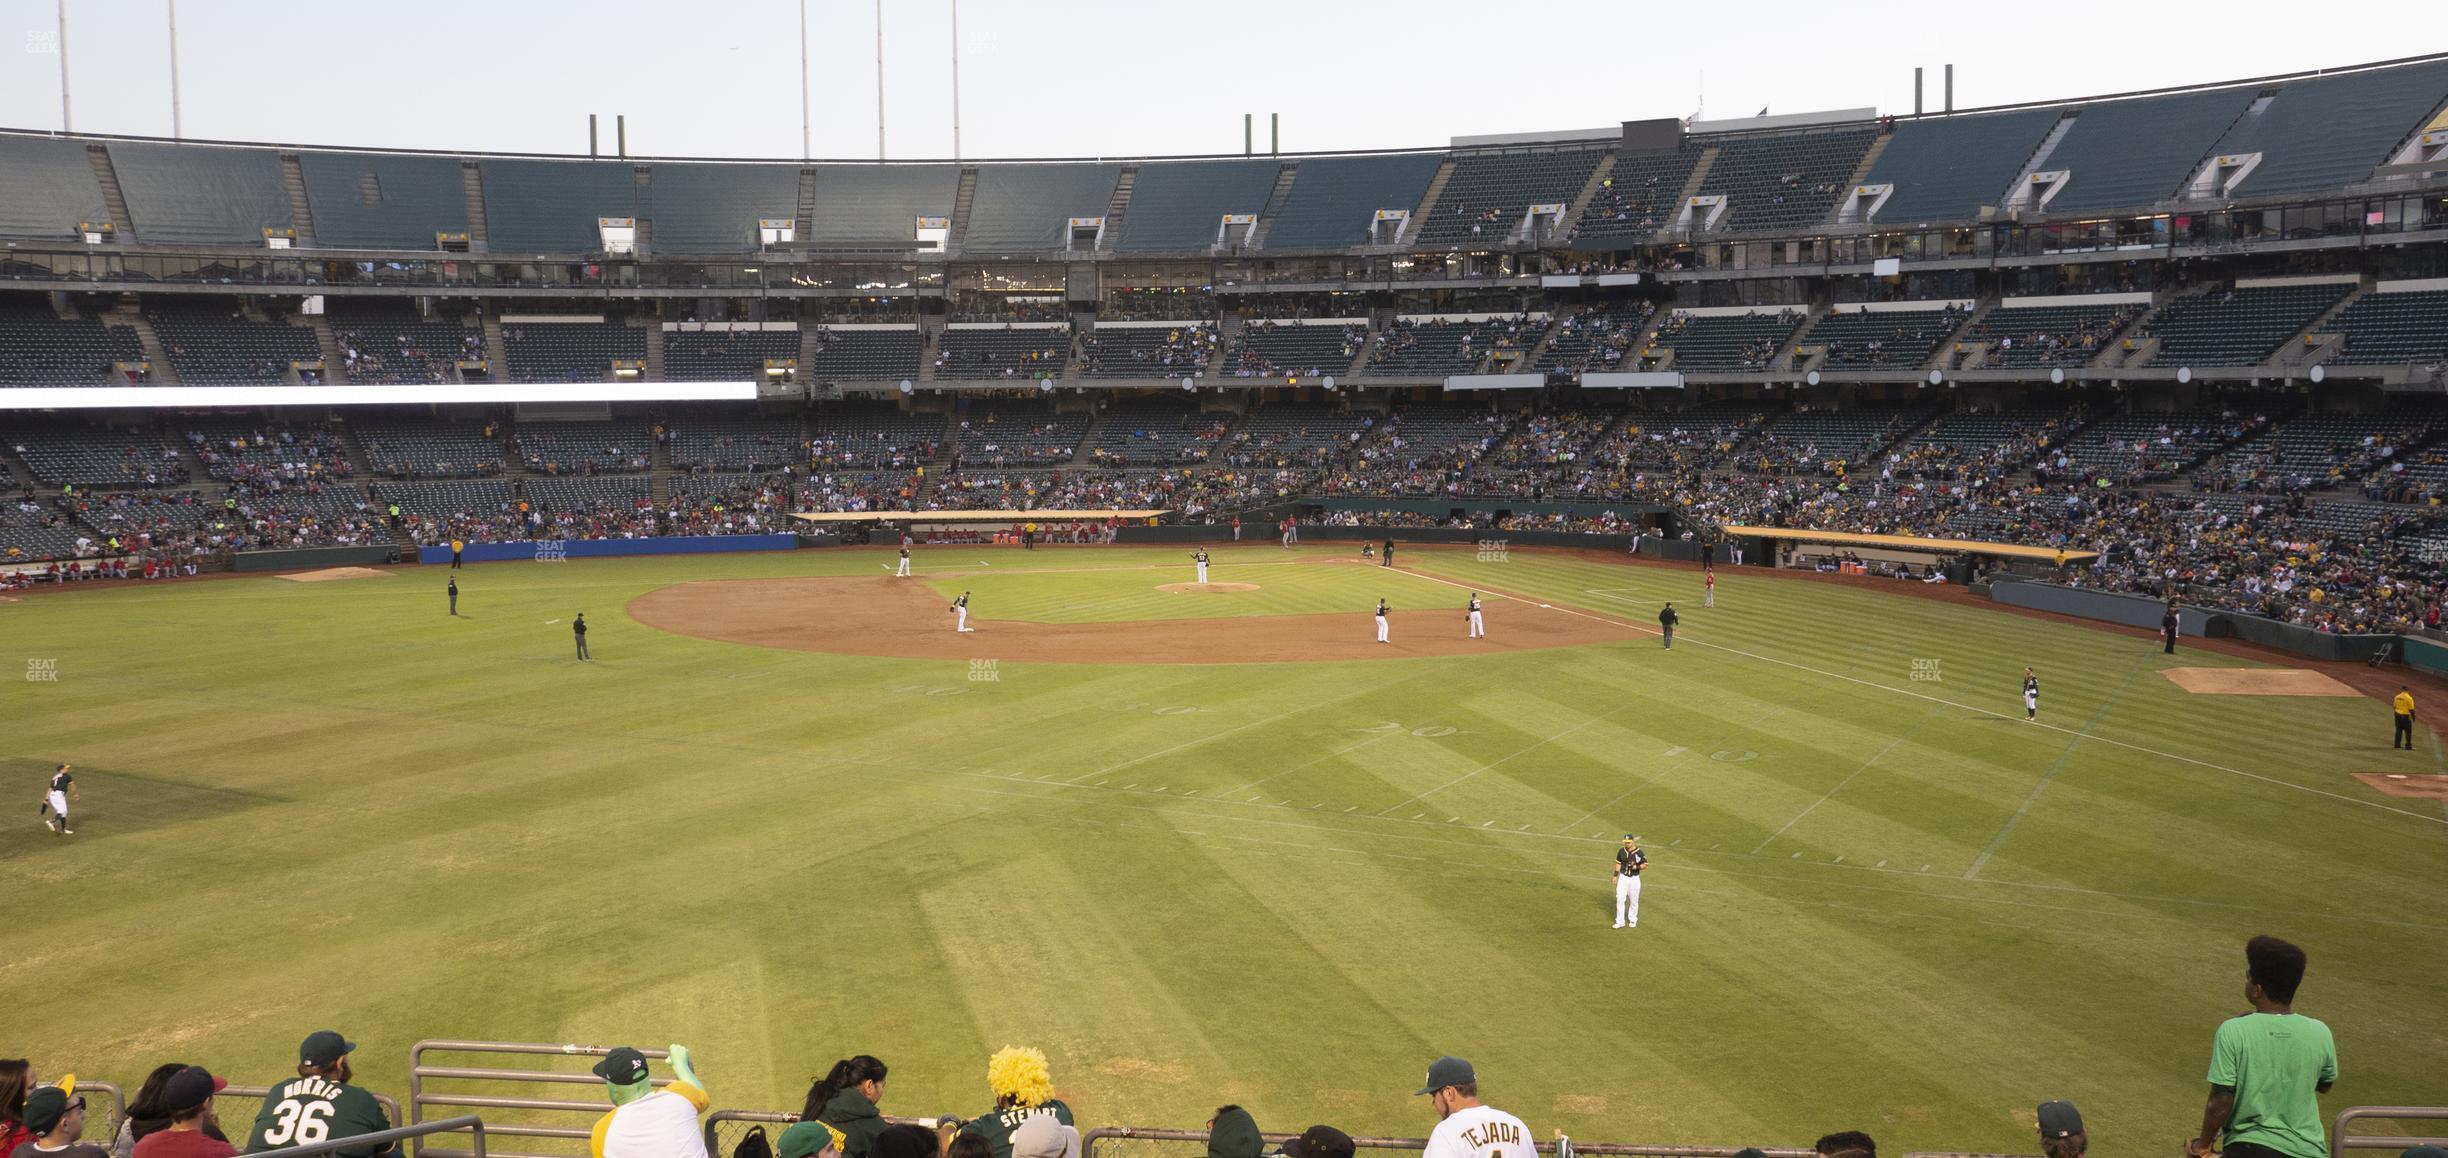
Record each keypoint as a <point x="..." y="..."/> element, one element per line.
<point x="2245" y="681"/>
<point x="1206" y="588"/>
<point x="330" y="573"/>
<point x="2411" y="787"/>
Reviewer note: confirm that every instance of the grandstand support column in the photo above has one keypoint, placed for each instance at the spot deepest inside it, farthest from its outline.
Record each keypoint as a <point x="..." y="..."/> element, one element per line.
<point x="1589" y="189"/>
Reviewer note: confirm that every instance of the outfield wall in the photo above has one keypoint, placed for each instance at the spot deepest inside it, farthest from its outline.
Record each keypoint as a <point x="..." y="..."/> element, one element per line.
<point x="2143" y="611"/>
<point x="520" y="550"/>
<point x="303" y="558"/>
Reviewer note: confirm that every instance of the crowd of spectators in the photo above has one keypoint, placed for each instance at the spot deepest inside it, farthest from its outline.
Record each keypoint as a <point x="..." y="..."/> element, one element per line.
<point x="373" y="357"/>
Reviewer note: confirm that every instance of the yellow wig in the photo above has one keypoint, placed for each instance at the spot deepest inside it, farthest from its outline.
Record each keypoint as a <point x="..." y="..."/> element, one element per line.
<point x="1019" y="1073"/>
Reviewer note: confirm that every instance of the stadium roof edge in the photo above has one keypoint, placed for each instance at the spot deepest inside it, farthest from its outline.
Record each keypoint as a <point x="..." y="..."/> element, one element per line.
<point x="1533" y="139"/>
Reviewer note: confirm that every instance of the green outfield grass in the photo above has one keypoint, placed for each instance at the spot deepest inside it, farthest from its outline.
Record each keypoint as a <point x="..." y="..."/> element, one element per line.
<point x="1876" y="901"/>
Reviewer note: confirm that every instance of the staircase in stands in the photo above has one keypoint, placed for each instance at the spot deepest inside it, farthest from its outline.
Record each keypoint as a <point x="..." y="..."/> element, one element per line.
<point x="497" y="351"/>
<point x="471" y="189"/>
<point x="301" y="210"/>
<point x="2308" y="346"/>
<point x="654" y="350"/>
<point x="335" y="366"/>
<point x="1589" y="191"/>
<point x="126" y="314"/>
<point x="1428" y="201"/>
<point x="1284" y="177"/>
<point x="112" y="199"/>
<point x="1117" y="207"/>
<point x="803" y="219"/>
<point x="962" y="201"/>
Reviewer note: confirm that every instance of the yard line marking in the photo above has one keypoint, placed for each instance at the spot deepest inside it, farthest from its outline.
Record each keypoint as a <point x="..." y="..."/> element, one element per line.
<point x="1830" y="794"/>
<point x="2054" y="767"/>
<point x="2131" y="747"/>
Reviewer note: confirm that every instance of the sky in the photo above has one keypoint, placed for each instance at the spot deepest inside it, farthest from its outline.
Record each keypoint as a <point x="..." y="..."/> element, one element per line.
<point x="1086" y="78"/>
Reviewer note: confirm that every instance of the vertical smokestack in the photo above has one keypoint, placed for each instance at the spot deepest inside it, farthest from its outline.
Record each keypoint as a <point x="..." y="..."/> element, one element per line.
<point x="590" y="134"/>
<point x="620" y="132"/>
<point x="1916" y="90"/>
<point x="1950" y="88"/>
<point x="1274" y="133"/>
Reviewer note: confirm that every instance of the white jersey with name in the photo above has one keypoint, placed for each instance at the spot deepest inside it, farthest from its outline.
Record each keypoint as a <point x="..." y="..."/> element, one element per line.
<point x="1481" y="1132"/>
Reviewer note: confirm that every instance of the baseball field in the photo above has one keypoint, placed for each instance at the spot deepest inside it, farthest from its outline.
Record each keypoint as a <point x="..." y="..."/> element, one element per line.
<point x="1208" y="846"/>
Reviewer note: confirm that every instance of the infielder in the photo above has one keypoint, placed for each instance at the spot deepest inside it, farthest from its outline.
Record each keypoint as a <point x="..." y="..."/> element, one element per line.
<point x="1629" y="861"/>
<point x="904" y="571"/>
<point x="1709" y="581"/>
<point x="55" y="798"/>
<point x="960" y="607"/>
<point x="2031" y="696"/>
<point x="1478" y="627"/>
<point x="1381" y="621"/>
<point x="1200" y="557"/>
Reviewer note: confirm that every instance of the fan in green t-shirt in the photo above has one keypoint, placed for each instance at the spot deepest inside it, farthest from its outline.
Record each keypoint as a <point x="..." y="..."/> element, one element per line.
<point x="2268" y="1067"/>
<point x="320" y="1105"/>
<point x="1023" y="1089"/>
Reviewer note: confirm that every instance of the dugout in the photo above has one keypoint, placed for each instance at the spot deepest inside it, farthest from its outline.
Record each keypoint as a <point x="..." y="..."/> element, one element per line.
<point x="1957" y="559"/>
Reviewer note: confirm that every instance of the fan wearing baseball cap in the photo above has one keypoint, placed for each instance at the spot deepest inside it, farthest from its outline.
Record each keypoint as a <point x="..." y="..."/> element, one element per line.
<point x="2061" y="1130"/>
<point x="1320" y="1141"/>
<point x="56" y="1116"/>
<point x="808" y="1140"/>
<point x="319" y="1104"/>
<point x="188" y="1098"/>
<point x="1468" y="1129"/>
<point x="646" y="1122"/>
<point x="1023" y="1089"/>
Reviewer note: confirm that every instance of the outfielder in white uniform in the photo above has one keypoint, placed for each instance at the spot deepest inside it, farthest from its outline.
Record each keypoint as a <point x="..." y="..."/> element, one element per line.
<point x="1478" y="627"/>
<point x="1381" y="621"/>
<point x="1629" y="861"/>
<point x="1468" y="1129"/>
<point x="62" y="789"/>
<point x="904" y="572"/>
<point x="2031" y="696"/>
<point x="1201" y="559"/>
<point x="960" y="607"/>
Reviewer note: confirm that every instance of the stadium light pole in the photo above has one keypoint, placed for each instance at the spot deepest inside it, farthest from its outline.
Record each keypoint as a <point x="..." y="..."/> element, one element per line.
<point x="177" y="125"/>
<point x="803" y="82"/>
<point x="67" y="124"/>
<point x="956" y="80"/>
<point x="879" y="79"/>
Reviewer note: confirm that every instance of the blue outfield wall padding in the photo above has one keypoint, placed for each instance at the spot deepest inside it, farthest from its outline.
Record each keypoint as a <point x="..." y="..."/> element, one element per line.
<point x="524" y="549"/>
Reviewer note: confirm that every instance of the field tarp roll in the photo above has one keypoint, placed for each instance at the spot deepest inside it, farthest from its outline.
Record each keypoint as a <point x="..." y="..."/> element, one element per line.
<point x="306" y="557"/>
<point x="525" y="549"/>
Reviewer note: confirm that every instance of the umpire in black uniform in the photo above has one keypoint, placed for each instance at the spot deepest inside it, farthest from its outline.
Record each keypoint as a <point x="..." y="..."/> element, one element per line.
<point x="2167" y="629"/>
<point x="1666" y="622"/>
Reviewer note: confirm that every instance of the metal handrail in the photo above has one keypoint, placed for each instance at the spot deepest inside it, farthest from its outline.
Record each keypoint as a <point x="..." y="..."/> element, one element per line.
<point x="713" y="1138"/>
<point x="419" y="1099"/>
<point x="113" y="1115"/>
<point x="469" y="1122"/>
<point x="1089" y="1140"/>
<point x="2340" y="1141"/>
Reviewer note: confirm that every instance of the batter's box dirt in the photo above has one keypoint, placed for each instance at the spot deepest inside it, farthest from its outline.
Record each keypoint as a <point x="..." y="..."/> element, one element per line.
<point x="328" y="574"/>
<point x="2411" y="787"/>
<point x="1206" y="588"/>
<point x="2250" y="681"/>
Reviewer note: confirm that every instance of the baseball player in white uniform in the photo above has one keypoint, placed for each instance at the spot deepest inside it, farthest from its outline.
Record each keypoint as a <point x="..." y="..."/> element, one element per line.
<point x="1478" y="627"/>
<point x="62" y="789"/>
<point x="1381" y="622"/>
<point x="2031" y="696"/>
<point x="1200" y="557"/>
<point x="1629" y="861"/>
<point x="1467" y="1129"/>
<point x="960" y="607"/>
<point x="904" y="572"/>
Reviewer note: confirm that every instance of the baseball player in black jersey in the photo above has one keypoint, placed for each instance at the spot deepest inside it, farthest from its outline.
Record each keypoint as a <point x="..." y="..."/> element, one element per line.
<point x="578" y="628"/>
<point x="2167" y="630"/>
<point x="1478" y="627"/>
<point x="903" y="573"/>
<point x="453" y="588"/>
<point x="1200" y="557"/>
<point x="2031" y="696"/>
<point x="56" y="795"/>
<point x="1381" y="621"/>
<point x="960" y="607"/>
